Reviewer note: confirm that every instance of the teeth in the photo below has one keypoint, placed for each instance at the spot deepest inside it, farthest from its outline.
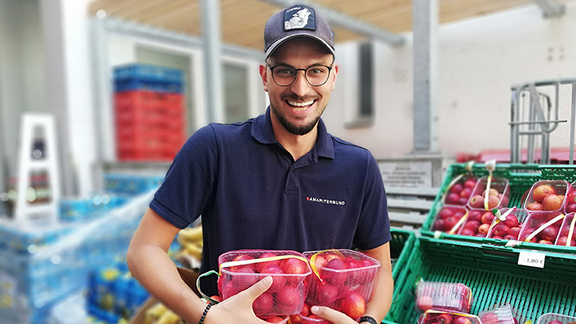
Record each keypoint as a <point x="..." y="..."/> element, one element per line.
<point x="301" y="104"/>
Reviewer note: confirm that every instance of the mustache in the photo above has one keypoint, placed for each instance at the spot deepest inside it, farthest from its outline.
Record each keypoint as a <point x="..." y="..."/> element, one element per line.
<point x="294" y="97"/>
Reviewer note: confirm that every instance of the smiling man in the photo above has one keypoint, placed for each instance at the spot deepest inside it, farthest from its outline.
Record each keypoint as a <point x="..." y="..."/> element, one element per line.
<point x="278" y="181"/>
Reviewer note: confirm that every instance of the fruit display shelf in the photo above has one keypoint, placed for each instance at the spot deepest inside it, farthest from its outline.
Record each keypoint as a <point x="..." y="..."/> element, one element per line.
<point x="494" y="276"/>
<point x="521" y="177"/>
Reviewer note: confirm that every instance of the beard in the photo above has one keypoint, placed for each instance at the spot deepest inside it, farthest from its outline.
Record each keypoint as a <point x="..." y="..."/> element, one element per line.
<point x="290" y="127"/>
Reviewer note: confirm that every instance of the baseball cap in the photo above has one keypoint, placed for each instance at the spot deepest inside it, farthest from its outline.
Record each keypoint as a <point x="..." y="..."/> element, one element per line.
<point x="296" y="21"/>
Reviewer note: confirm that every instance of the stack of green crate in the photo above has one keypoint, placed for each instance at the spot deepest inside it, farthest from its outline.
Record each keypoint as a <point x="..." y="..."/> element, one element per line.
<point x="488" y="266"/>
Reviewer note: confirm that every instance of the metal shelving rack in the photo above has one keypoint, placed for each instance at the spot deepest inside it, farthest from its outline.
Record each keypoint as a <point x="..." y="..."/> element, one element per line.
<point x="535" y="112"/>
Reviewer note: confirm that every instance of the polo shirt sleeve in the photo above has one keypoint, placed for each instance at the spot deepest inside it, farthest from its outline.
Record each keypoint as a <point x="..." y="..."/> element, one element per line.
<point x="189" y="181"/>
<point x="374" y="225"/>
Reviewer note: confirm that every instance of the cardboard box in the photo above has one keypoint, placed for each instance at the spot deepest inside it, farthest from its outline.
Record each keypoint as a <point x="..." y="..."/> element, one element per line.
<point x="189" y="277"/>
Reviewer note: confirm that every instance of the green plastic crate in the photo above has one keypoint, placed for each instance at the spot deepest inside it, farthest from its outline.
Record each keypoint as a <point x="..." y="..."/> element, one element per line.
<point x="401" y="245"/>
<point x="521" y="177"/>
<point x="493" y="275"/>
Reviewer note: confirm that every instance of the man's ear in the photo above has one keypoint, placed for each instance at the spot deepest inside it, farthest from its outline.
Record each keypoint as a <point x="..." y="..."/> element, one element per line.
<point x="334" y="76"/>
<point x="264" y="76"/>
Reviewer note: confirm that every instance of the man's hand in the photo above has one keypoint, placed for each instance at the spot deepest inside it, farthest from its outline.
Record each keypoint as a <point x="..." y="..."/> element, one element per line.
<point x="331" y="315"/>
<point x="238" y="308"/>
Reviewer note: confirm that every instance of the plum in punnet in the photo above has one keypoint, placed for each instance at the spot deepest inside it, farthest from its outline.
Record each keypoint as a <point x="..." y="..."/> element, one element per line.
<point x="489" y="318"/>
<point x="470" y="183"/>
<point x="337" y="277"/>
<point x="552" y="202"/>
<point x="354" y="305"/>
<point x="475" y="215"/>
<point x="288" y="300"/>
<point x="500" y="230"/>
<point x="483" y="229"/>
<point x="549" y="233"/>
<point x="563" y="239"/>
<point x="461" y="320"/>
<point x="456" y="188"/>
<point x="534" y="206"/>
<point x="487" y="218"/>
<point x="263" y="304"/>
<point x="540" y="192"/>
<point x="467" y="232"/>
<point x="424" y="303"/>
<point x="444" y="319"/>
<point x="472" y="225"/>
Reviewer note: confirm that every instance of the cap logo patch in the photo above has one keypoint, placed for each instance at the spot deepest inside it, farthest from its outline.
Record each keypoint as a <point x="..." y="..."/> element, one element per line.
<point x="299" y="18"/>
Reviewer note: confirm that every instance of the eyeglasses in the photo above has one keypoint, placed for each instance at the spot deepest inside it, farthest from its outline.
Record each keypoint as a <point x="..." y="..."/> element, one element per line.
<point x="284" y="75"/>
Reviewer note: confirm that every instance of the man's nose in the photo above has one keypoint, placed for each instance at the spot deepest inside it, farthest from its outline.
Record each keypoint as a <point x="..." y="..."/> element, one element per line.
<point x="300" y="86"/>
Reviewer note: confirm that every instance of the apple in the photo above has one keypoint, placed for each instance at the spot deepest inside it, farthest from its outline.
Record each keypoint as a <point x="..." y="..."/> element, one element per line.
<point x="477" y="201"/>
<point x="491" y="192"/>
<point x="295" y="267"/>
<point x="274" y="319"/>
<point x="337" y="277"/>
<point x="489" y="318"/>
<point x="438" y="225"/>
<point x="279" y="281"/>
<point x="262" y="265"/>
<point x="263" y="304"/>
<point x="475" y="215"/>
<point x="514" y="231"/>
<point x="552" y="202"/>
<point x="242" y="257"/>
<point x="326" y="293"/>
<point x="354" y="305"/>
<point x="549" y="233"/>
<point x="483" y="229"/>
<point x="487" y="218"/>
<point x="445" y="213"/>
<point x="466" y="193"/>
<point x="511" y="221"/>
<point x="452" y="198"/>
<point x="534" y="206"/>
<point x="470" y="183"/>
<point x="244" y="278"/>
<point x="288" y="299"/>
<point x="570" y="208"/>
<point x="563" y="239"/>
<point x="456" y="188"/>
<point x="424" y="303"/>
<point x="493" y="201"/>
<point x="449" y="223"/>
<point x="540" y="192"/>
<point x="472" y="225"/>
<point x="500" y="230"/>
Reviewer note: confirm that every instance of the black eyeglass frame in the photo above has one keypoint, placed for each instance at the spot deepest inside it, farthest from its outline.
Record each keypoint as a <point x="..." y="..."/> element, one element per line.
<point x="296" y="74"/>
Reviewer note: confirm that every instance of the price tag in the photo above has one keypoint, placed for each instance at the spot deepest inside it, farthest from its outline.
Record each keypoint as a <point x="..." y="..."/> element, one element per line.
<point x="531" y="259"/>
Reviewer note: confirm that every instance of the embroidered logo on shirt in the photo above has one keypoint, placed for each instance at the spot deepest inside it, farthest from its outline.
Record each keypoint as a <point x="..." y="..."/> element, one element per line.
<point x="326" y="201"/>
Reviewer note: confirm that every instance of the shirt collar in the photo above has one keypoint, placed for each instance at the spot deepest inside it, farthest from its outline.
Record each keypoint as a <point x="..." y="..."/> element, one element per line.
<point x="262" y="131"/>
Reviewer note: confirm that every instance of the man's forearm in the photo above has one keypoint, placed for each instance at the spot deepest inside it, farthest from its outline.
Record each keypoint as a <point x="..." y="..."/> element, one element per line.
<point x="151" y="266"/>
<point x="381" y="299"/>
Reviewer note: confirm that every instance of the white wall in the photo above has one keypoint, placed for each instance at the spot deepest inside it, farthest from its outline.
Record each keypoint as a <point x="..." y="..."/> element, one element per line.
<point x="480" y="59"/>
<point x="22" y="86"/>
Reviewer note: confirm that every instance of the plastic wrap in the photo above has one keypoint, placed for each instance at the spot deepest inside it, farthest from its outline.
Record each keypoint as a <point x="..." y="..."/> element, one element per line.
<point x="342" y="280"/>
<point x="443" y="296"/>
<point x="498" y="194"/>
<point x="547" y="195"/>
<point x="41" y="264"/>
<point x="447" y="317"/>
<point x="553" y="318"/>
<point x="502" y="314"/>
<point x="242" y="269"/>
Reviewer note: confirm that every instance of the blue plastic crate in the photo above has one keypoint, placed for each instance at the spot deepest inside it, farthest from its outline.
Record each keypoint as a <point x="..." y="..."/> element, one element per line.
<point x="150" y="85"/>
<point x="148" y="72"/>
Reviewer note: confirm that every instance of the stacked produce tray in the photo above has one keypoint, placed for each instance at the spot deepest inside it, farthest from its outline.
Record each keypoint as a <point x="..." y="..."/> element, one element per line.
<point x="494" y="276"/>
<point x="149" y="112"/>
<point x="520" y="180"/>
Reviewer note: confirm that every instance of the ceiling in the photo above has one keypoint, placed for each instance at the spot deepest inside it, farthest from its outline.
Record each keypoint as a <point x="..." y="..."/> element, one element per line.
<point x="243" y="20"/>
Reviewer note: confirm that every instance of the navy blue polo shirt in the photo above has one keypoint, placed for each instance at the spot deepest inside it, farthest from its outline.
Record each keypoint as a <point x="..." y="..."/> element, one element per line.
<point x="253" y="195"/>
